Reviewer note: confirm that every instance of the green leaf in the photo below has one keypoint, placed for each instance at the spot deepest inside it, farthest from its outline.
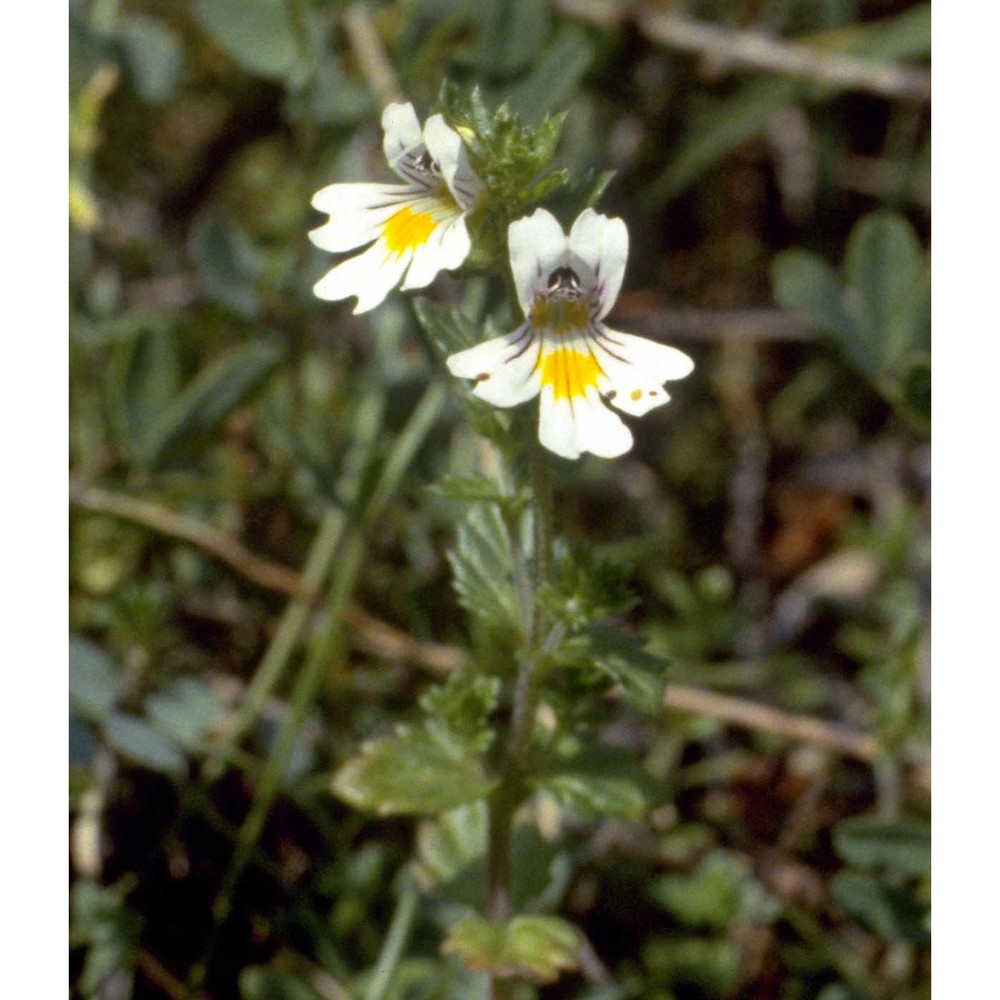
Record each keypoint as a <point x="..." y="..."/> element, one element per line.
<point x="154" y="55"/>
<point x="915" y="395"/>
<point x="726" y="126"/>
<point x="805" y="283"/>
<point x="256" y="34"/>
<point x="470" y="489"/>
<point x="640" y="674"/>
<point x="410" y="772"/>
<point x="451" y="843"/>
<point x="894" y="913"/>
<point x="145" y="377"/>
<point x="556" y="75"/>
<point x="719" y="892"/>
<point x="257" y="982"/>
<point x="587" y="588"/>
<point x="594" y="796"/>
<point x="100" y="921"/>
<point x="530" y="947"/>
<point x="458" y="709"/>
<point x="484" y="569"/>
<point x="884" y="272"/>
<point x="448" y="329"/>
<point x="712" y="964"/>
<point x="510" y="36"/>
<point x="198" y="411"/>
<point x="905" y="36"/>
<point x="902" y="845"/>
<point x="185" y="712"/>
<point x="142" y="743"/>
<point x="228" y="264"/>
<point x="93" y="684"/>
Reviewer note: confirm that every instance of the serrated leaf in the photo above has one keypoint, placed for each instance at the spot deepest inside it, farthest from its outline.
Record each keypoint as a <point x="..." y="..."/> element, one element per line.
<point x="201" y="407"/>
<point x="532" y="947"/>
<point x="883" y="269"/>
<point x="142" y="743"/>
<point x="410" y="773"/>
<point x="894" y="913"/>
<point x="185" y="712"/>
<point x="456" y="711"/>
<point x="594" y="796"/>
<point x="154" y="55"/>
<point x="640" y="674"/>
<point x="587" y="588"/>
<point x="805" y="283"/>
<point x="93" y="684"/>
<point x="483" y="568"/>
<point x="901" y="845"/>
<point x="256" y="34"/>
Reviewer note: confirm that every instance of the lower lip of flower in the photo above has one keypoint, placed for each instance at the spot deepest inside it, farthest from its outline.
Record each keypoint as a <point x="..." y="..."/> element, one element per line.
<point x="407" y="230"/>
<point x="570" y="373"/>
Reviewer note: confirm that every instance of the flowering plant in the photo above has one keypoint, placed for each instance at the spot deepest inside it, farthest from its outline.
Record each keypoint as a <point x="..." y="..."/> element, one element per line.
<point x="415" y="229"/>
<point x="566" y="285"/>
<point x="489" y="169"/>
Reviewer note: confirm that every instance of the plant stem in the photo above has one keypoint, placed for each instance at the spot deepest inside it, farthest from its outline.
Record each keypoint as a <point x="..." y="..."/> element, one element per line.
<point x="395" y="939"/>
<point x="517" y="747"/>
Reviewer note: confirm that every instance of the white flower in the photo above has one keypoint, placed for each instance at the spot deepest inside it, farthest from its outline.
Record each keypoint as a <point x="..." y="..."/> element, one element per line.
<point x="418" y="228"/>
<point x="563" y="350"/>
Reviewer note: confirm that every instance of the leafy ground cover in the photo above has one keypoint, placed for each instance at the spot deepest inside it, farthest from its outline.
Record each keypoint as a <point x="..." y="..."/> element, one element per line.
<point x="288" y="544"/>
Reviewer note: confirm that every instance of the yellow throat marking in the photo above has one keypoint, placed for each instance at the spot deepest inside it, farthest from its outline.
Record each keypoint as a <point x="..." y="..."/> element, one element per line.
<point x="560" y="315"/>
<point x="407" y="230"/>
<point x="570" y="373"/>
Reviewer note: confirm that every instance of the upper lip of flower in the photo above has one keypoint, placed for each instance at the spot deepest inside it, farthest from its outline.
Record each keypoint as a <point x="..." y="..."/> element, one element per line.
<point x="416" y="228"/>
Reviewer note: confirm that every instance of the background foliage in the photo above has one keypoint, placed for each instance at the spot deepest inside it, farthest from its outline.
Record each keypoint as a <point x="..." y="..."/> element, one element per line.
<point x="269" y="566"/>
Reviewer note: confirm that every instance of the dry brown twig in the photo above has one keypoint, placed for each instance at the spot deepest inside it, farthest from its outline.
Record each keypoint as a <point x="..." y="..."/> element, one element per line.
<point x="755" y="50"/>
<point x="366" y="44"/>
<point x="378" y="637"/>
<point x="371" y="633"/>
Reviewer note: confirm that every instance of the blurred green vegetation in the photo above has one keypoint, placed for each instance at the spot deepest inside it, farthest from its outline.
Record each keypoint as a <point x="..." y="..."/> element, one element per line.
<point x="264" y="497"/>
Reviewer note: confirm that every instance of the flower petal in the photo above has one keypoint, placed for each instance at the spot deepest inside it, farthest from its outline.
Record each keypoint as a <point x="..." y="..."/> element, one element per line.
<point x="370" y="276"/>
<point x="538" y="246"/>
<point x="569" y="426"/>
<point x="603" y="244"/>
<point x="633" y="369"/>
<point x="445" y="250"/>
<point x="402" y="135"/>
<point x="357" y="212"/>
<point x="446" y="147"/>
<point x="505" y="368"/>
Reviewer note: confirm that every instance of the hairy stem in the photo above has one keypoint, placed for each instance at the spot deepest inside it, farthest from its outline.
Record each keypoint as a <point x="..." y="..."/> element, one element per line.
<point x="517" y="747"/>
